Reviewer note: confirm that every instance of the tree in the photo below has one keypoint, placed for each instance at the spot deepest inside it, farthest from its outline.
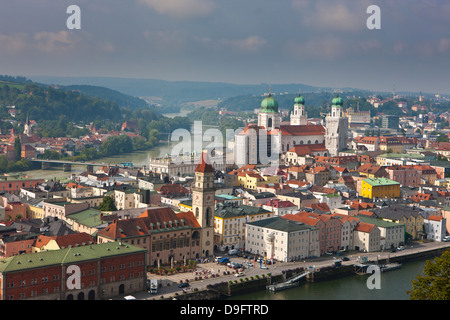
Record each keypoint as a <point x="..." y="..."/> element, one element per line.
<point x="18" y="149"/>
<point x="442" y="138"/>
<point x="434" y="284"/>
<point x="107" y="204"/>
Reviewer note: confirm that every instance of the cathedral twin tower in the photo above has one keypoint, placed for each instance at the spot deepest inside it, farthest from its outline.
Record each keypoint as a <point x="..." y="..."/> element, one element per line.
<point x="333" y="136"/>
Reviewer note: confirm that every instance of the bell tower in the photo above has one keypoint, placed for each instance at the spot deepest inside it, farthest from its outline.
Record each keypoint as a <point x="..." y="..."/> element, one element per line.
<point x="336" y="128"/>
<point x="299" y="115"/>
<point x="203" y="203"/>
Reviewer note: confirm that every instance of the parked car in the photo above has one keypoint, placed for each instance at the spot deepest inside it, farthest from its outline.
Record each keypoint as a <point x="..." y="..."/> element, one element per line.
<point x="183" y="285"/>
<point x="401" y="248"/>
<point x="240" y="274"/>
<point x="233" y="251"/>
<point x="446" y="238"/>
<point x="224" y="260"/>
<point x="217" y="259"/>
<point x="345" y="259"/>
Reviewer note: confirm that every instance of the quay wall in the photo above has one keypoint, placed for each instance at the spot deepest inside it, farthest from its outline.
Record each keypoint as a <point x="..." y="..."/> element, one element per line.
<point x="228" y="289"/>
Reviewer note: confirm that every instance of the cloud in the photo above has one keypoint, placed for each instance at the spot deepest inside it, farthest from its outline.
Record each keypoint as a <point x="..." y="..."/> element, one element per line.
<point x="55" y="42"/>
<point x="332" y="15"/>
<point x="180" y="9"/>
<point x="11" y="44"/>
<point x="164" y="40"/>
<point x="321" y="48"/>
<point x="250" y="44"/>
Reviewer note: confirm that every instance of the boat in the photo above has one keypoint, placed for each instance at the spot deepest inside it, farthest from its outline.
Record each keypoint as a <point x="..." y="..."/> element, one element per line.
<point x="361" y="269"/>
<point x="390" y="266"/>
<point x="290" y="283"/>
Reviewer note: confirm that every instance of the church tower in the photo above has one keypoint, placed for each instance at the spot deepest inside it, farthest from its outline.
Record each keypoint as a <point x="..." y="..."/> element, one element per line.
<point x="299" y="116"/>
<point x="203" y="204"/>
<point x="336" y="126"/>
<point x="269" y="116"/>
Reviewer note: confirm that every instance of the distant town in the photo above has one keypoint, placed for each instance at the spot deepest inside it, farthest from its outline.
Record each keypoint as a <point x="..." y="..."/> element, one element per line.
<point x="349" y="180"/>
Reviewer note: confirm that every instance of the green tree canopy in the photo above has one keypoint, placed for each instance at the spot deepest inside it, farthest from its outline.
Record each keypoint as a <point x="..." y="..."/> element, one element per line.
<point x="434" y="284"/>
<point x="107" y="204"/>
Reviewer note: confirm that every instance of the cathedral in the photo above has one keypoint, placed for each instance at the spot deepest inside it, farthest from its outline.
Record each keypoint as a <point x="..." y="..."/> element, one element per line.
<point x="270" y="137"/>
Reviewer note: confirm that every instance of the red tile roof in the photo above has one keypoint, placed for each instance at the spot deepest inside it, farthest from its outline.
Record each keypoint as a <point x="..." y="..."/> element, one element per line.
<point x="204" y="165"/>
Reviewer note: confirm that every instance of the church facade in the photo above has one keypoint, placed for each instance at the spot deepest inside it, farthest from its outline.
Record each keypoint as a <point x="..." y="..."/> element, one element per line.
<point x="265" y="142"/>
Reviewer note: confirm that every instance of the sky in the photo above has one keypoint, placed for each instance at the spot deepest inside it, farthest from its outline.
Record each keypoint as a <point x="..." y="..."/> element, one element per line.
<point x="317" y="42"/>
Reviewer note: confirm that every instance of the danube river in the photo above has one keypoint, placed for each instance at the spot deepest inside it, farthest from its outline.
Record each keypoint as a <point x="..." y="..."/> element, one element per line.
<point x="394" y="286"/>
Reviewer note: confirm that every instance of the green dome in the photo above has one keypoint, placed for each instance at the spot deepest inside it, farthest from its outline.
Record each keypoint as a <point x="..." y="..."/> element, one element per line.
<point x="337" y="101"/>
<point x="299" y="100"/>
<point x="269" y="104"/>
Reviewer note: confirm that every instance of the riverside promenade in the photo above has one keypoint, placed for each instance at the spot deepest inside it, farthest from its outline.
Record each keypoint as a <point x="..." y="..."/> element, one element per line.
<point x="169" y="284"/>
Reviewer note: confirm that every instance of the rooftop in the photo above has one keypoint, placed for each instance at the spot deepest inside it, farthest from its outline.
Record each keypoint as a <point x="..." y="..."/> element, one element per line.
<point x="380" y="182"/>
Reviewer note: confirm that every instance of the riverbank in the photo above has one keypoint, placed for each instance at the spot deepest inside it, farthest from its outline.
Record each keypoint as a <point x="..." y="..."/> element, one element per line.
<point x="227" y="286"/>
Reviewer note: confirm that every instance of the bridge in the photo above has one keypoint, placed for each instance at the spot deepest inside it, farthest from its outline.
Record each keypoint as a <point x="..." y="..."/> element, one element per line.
<point x="67" y="165"/>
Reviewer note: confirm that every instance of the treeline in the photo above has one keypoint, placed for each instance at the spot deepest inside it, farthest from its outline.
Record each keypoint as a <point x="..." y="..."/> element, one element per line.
<point x="47" y="103"/>
<point x="211" y="116"/>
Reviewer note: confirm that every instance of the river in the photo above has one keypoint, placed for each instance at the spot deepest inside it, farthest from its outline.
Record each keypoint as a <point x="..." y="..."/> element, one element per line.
<point x="394" y="286"/>
<point x="138" y="158"/>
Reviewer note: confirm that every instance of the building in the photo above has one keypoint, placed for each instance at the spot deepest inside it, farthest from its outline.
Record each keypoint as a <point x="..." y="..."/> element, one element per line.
<point x="390" y="121"/>
<point x="357" y="117"/>
<point x="371" y="170"/>
<point x="91" y="272"/>
<point x="410" y="216"/>
<point x="203" y="203"/>
<point x="392" y="234"/>
<point x="164" y="235"/>
<point x="329" y="229"/>
<point x="282" y="239"/>
<point x="13" y="186"/>
<point x="379" y="188"/>
<point x="336" y="124"/>
<point x="266" y="141"/>
<point x="405" y="175"/>
<point x="435" y="228"/>
<point x="366" y="237"/>
<point x="230" y="221"/>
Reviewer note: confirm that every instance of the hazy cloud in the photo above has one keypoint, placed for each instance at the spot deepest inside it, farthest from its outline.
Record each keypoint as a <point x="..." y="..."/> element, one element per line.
<point x="250" y="44"/>
<point x="13" y="43"/>
<point x="180" y="8"/>
<point x="55" y="42"/>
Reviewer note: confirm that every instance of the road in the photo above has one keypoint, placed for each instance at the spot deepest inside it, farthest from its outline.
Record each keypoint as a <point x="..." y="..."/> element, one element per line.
<point x="170" y="283"/>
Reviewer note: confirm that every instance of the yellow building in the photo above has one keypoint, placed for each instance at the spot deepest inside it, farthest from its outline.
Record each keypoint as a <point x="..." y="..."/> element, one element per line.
<point x="35" y="211"/>
<point x="230" y="222"/>
<point x="379" y="188"/>
<point x="254" y="180"/>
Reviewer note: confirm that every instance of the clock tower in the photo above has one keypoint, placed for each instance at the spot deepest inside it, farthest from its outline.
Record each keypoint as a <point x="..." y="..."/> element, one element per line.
<point x="203" y="203"/>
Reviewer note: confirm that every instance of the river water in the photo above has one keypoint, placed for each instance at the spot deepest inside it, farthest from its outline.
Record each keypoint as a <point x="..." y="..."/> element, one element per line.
<point x="138" y="158"/>
<point x="393" y="286"/>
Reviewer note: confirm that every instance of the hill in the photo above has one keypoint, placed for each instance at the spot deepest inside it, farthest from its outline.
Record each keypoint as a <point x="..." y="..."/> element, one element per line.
<point x="123" y="100"/>
<point x="41" y="102"/>
<point x="178" y="92"/>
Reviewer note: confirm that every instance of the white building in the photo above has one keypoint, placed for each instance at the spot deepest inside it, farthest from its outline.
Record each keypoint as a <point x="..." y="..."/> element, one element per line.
<point x="366" y="237"/>
<point x="336" y="128"/>
<point x="270" y="138"/>
<point x="435" y="228"/>
<point x="281" y="239"/>
<point x="392" y="234"/>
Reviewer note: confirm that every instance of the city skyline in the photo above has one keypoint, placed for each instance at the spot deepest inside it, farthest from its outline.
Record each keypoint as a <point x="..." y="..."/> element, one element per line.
<point x="319" y="43"/>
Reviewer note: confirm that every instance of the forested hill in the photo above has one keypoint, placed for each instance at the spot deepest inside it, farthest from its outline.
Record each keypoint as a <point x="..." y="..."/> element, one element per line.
<point x="40" y="102"/>
<point x="123" y="100"/>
